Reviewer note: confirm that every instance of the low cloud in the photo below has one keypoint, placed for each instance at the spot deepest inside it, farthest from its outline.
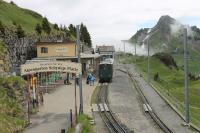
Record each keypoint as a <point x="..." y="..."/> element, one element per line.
<point x="177" y="28"/>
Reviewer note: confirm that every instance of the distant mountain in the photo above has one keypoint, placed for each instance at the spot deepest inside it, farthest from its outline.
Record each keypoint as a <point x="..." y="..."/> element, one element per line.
<point x="167" y="35"/>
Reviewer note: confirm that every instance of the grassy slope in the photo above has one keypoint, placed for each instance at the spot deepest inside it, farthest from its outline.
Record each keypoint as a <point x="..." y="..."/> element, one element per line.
<point x="26" y="18"/>
<point x="11" y="113"/>
<point x="193" y="62"/>
<point x="171" y="85"/>
<point x="10" y="13"/>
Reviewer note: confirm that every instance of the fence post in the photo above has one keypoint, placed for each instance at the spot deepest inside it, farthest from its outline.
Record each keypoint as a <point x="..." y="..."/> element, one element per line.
<point x="71" y="118"/>
<point x="62" y="130"/>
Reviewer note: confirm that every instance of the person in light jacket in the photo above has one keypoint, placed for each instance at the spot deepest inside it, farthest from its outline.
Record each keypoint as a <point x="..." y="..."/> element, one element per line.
<point x="91" y="79"/>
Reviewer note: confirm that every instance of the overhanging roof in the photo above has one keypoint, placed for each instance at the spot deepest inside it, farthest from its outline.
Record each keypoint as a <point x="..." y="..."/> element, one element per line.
<point x="83" y="56"/>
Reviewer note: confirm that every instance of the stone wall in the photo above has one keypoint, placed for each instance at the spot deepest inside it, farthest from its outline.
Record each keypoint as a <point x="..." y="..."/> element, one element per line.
<point x="22" y="49"/>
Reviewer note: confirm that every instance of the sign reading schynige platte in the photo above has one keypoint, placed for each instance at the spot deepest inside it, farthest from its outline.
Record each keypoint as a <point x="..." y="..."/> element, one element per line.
<point x="53" y="66"/>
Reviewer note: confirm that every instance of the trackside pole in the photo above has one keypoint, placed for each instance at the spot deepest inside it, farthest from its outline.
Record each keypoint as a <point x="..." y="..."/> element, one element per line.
<point x="80" y="75"/>
<point x="75" y="100"/>
<point x="186" y="89"/>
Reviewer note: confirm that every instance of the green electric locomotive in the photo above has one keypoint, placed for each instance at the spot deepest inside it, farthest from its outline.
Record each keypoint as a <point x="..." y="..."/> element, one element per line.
<point x="105" y="72"/>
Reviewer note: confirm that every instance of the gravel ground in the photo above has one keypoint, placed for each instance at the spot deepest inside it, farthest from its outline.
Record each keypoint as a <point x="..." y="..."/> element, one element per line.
<point x="126" y="104"/>
<point x="161" y="108"/>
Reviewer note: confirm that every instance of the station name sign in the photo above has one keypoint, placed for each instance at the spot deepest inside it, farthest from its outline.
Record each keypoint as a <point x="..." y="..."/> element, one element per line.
<point x="51" y="66"/>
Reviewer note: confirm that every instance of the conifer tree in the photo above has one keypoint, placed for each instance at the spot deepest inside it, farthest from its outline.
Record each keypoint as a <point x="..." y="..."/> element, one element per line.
<point x="55" y="26"/>
<point x="85" y="36"/>
<point x="20" y="32"/>
<point x="38" y="29"/>
<point x="46" y="26"/>
<point x="72" y="30"/>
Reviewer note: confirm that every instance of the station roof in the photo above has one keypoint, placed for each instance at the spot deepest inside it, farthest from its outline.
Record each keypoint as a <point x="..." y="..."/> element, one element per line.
<point x="105" y="48"/>
<point x="83" y="56"/>
<point x="55" y="43"/>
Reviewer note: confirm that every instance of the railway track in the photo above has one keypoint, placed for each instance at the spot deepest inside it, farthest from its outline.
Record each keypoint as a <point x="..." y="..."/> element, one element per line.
<point x="106" y="114"/>
<point x="145" y="101"/>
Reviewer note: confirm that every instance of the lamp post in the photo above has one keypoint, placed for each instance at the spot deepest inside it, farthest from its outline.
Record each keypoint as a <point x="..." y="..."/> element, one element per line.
<point x="148" y="66"/>
<point x="135" y="48"/>
<point x="124" y="44"/>
<point x="80" y="75"/>
<point x="148" y="52"/>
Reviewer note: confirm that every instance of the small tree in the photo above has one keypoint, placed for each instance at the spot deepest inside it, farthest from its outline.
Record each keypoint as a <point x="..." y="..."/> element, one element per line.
<point x="45" y="26"/>
<point x="20" y="32"/>
<point x="38" y="29"/>
<point x="2" y="29"/>
<point x="55" y="26"/>
<point x="156" y="76"/>
<point x="11" y="2"/>
<point x="85" y="36"/>
<point x="14" y="23"/>
<point x="72" y="30"/>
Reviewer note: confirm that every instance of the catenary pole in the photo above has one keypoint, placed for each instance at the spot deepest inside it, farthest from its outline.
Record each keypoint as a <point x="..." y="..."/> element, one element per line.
<point x="124" y="46"/>
<point x="148" y="65"/>
<point x="80" y="75"/>
<point x="186" y="89"/>
<point x="148" y="68"/>
<point x="135" y="53"/>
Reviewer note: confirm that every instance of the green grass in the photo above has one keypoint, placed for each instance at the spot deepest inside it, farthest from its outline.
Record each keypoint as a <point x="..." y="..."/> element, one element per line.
<point x="170" y="84"/>
<point x="84" y="120"/>
<point x="193" y="62"/>
<point x="11" y="13"/>
<point x="28" y="19"/>
<point x="11" y="113"/>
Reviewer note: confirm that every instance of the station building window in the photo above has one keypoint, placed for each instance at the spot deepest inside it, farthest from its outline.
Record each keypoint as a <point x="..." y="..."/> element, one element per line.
<point x="44" y="50"/>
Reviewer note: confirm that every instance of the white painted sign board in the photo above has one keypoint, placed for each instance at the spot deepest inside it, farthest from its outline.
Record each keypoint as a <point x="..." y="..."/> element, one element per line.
<point x="61" y="50"/>
<point x="53" y="66"/>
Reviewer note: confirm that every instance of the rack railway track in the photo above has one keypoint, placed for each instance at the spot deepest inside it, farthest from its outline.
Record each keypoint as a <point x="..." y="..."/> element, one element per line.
<point x="113" y="125"/>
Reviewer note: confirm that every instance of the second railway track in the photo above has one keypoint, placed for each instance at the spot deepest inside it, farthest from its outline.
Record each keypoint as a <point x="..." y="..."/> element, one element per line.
<point x="145" y="101"/>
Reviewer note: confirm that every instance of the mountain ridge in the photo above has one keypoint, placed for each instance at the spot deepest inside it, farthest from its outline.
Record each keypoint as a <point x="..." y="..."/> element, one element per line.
<point x="166" y="35"/>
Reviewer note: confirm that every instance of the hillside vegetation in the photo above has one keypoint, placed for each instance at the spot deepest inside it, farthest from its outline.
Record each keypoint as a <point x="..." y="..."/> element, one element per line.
<point x="12" y="102"/>
<point x="169" y="81"/>
<point x="167" y="36"/>
<point x="11" y="14"/>
<point x="24" y="21"/>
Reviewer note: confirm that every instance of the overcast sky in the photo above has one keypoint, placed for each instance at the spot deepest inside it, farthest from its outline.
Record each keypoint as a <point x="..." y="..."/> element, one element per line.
<point x="110" y="21"/>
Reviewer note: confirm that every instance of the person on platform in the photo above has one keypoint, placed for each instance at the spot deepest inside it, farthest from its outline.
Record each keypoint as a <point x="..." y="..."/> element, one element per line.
<point x="91" y="79"/>
<point x="88" y="79"/>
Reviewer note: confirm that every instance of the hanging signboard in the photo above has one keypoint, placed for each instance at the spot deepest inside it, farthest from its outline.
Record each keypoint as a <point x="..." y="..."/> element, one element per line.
<point x="53" y="66"/>
<point x="61" y="50"/>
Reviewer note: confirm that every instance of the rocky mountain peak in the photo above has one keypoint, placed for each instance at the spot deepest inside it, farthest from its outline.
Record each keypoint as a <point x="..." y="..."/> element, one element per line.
<point x="166" y="19"/>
